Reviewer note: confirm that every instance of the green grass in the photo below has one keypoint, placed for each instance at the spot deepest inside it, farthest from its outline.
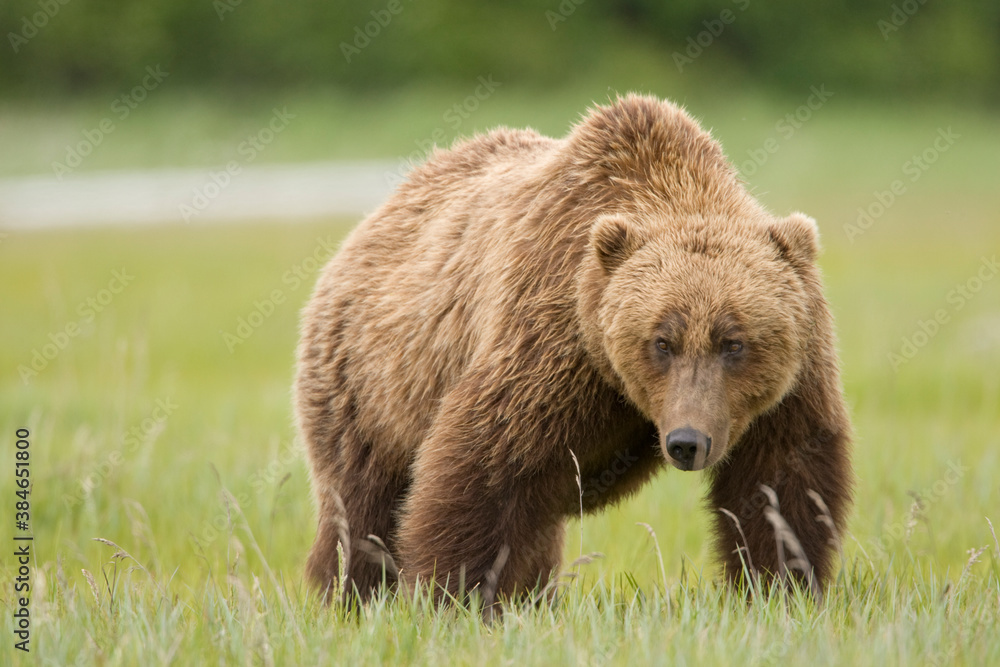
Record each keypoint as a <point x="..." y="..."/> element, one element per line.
<point x="906" y="594"/>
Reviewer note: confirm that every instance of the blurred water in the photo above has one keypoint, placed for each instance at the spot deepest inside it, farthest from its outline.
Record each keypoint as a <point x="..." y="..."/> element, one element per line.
<point x="287" y="192"/>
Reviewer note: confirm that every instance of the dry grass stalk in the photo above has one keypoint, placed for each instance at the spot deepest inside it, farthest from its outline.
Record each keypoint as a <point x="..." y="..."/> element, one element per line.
<point x="826" y="518"/>
<point x="233" y="504"/>
<point x="784" y="537"/>
<point x="752" y="571"/>
<point x="996" y="542"/>
<point x="65" y="592"/>
<point x="341" y="574"/>
<point x="93" y="586"/>
<point x="338" y="518"/>
<point x="974" y="555"/>
<point x="659" y="556"/>
<point x="915" y="515"/>
<point x="871" y="563"/>
<point x="274" y="507"/>
<point x="120" y="555"/>
<point x="252" y="617"/>
<point x="565" y="577"/>
<point x="491" y="583"/>
<point x="140" y="529"/>
<point x="376" y="552"/>
<point x="579" y="486"/>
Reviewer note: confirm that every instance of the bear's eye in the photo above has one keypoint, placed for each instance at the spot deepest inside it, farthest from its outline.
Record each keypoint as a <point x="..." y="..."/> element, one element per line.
<point x="662" y="345"/>
<point x="732" y="347"/>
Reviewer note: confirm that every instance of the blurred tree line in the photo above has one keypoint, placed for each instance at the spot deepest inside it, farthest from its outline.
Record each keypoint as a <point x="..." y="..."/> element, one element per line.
<point x="883" y="47"/>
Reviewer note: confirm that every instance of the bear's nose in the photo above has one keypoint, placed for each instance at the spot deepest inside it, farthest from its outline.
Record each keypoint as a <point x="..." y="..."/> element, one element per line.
<point x="688" y="447"/>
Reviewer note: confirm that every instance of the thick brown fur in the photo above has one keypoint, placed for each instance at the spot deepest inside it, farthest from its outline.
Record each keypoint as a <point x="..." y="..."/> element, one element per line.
<point x="504" y="308"/>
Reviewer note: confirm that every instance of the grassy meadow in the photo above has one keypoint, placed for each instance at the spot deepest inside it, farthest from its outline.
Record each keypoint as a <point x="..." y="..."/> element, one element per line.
<point x="163" y="426"/>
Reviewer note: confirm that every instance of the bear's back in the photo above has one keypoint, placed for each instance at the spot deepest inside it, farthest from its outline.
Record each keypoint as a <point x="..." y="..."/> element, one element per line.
<point x="414" y="289"/>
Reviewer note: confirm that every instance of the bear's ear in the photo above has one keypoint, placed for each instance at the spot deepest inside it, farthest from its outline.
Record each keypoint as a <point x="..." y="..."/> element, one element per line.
<point x="614" y="240"/>
<point x="797" y="238"/>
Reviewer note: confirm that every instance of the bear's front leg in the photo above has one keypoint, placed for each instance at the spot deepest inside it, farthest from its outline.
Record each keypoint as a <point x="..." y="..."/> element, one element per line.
<point x="801" y="446"/>
<point x="490" y="487"/>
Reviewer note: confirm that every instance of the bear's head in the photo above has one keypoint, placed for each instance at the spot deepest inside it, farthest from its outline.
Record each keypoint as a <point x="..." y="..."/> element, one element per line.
<point x="703" y="322"/>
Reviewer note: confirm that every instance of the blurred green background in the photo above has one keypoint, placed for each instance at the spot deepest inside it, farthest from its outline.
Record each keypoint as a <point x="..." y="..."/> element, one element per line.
<point x="877" y="118"/>
<point x="370" y="79"/>
<point x="872" y="47"/>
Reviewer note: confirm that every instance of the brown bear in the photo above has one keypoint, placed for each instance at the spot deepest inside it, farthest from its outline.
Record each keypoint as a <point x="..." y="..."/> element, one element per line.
<point x="616" y="297"/>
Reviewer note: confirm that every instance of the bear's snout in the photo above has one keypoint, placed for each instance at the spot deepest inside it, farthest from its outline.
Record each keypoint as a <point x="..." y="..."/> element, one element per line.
<point x="689" y="448"/>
